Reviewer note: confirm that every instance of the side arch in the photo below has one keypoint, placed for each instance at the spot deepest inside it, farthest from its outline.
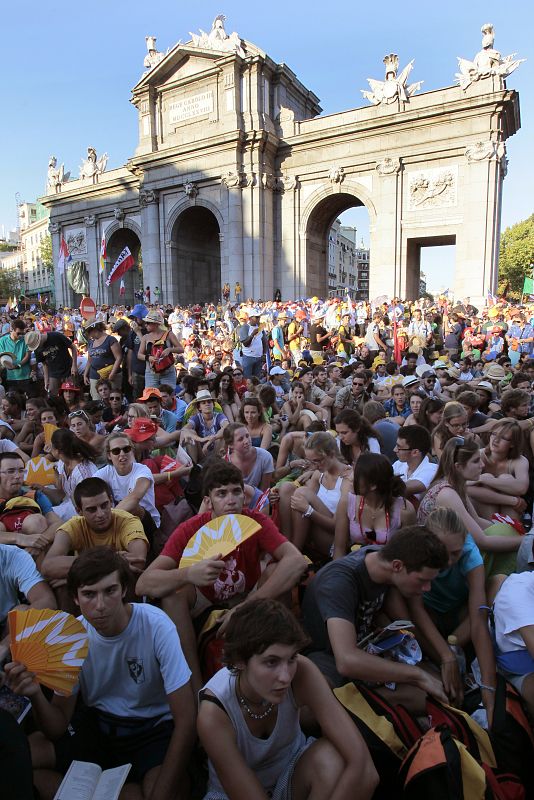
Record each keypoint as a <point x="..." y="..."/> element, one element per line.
<point x="127" y="223"/>
<point x="348" y="189"/>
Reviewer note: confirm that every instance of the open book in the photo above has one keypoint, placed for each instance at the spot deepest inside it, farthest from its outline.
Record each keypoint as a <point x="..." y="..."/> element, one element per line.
<point x="86" y="781"/>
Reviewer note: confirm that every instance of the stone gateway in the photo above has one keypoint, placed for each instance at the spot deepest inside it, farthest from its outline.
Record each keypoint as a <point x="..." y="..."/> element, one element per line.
<point x="237" y="178"/>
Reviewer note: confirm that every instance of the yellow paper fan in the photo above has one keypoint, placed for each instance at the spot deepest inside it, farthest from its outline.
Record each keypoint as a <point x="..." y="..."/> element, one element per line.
<point x="220" y="535"/>
<point x="49" y="429"/>
<point x="51" y="644"/>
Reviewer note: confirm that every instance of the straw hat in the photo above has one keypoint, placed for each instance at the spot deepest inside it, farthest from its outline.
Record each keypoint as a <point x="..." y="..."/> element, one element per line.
<point x="33" y="339"/>
<point x="494" y="372"/>
<point x="155" y="317"/>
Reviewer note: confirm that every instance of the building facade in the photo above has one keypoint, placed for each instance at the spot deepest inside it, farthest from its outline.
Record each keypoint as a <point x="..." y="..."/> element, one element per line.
<point x="348" y="263"/>
<point x="237" y="178"/>
<point x="36" y="278"/>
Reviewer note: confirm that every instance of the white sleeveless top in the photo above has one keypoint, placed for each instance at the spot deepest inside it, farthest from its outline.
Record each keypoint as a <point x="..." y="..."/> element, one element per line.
<point x="267" y="758"/>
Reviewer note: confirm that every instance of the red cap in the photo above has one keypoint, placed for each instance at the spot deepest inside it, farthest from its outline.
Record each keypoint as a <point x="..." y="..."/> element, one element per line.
<point x="142" y="429"/>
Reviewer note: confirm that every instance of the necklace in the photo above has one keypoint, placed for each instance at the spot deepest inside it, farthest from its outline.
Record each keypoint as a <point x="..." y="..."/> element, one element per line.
<point x="244" y="704"/>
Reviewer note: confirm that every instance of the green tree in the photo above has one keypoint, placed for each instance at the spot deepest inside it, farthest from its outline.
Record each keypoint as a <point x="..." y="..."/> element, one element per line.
<point x="516" y="255"/>
<point x="9" y="283"/>
<point x="46" y="253"/>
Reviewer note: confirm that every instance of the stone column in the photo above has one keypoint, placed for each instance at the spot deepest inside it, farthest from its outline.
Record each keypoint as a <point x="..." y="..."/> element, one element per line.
<point x="93" y="252"/>
<point x="385" y="272"/>
<point x="59" y="280"/>
<point x="150" y="242"/>
<point x="232" y="267"/>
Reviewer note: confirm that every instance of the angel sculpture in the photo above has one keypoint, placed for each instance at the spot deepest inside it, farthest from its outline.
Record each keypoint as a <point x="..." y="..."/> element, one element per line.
<point x="218" y="39"/>
<point x="487" y="61"/>
<point x="393" y="87"/>
<point x="56" y="176"/>
<point x="91" y="166"/>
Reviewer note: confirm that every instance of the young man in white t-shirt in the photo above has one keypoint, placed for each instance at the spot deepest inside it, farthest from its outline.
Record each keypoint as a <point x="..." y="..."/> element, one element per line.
<point x="413" y="465"/>
<point x="514" y="633"/>
<point x="135" y="685"/>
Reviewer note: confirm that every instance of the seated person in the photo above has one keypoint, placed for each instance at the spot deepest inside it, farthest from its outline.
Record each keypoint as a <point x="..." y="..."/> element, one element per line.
<point x="255" y="463"/>
<point x="455" y="605"/>
<point x="341" y="601"/>
<point x="98" y="524"/>
<point x="134" y="683"/>
<point x="47" y="416"/>
<point x="152" y="399"/>
<point x="204" y="429"/>
<point x="413" y="465"/>
<point x="170" y="402"/>
<point x="513" y="611"/>
<point x="374" y="510"/>
<point x="32" y="426"/>
<point x="29" y="521"/>
<point x="75" y="461"/>
<point x="114" y="414"/>
<point x="188" y="591"/>
<point x="249" y="717"/>
<point x="19" y="578"/>
<point x="7" y="446"/>
<point x="131" y="484"/>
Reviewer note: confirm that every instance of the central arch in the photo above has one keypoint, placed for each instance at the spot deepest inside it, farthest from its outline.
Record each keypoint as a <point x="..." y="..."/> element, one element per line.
<point x="117" y="240"/>
<point x="318" y="218"/>
<point x="196" y="256"/>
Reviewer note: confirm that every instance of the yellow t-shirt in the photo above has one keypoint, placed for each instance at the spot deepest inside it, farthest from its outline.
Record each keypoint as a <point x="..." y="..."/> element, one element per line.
<point x="124" y="529"/>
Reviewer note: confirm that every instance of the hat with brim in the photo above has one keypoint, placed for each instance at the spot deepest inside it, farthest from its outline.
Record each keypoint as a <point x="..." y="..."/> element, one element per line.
<point x="148" y="393"/>
<point x="494" y="372"/>
<point x="486" y="386"/>
<point x="202" y="396"/>
<point x="154" y="317"/>
<point x="139" y="311"/>
<point x="142" y="429"/>
<point x="439" y="364"/>
<point x="277" y="371"/>
<point x="33" y="340"/>
<point x="454" y="373"/>
<point x="410" y="380"/>
<point x="91" y="322"/>
<point x="68" y="386"/>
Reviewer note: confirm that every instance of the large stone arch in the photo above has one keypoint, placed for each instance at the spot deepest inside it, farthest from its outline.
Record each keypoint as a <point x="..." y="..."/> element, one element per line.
<point x="318" y="215"/>
<point x="195" y="254"/>
<point x="182" y="205"/>
<point x="118" y="236"/>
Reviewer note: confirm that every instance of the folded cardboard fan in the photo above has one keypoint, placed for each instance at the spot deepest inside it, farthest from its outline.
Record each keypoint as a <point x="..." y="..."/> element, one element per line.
<point x="51" y="644"/>
<point x="220" y="535"/>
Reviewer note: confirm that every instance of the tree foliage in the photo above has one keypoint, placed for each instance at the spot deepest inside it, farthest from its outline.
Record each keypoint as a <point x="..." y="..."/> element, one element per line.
<point x="46" y="253"/>
<point x="516" y="255"/>
<point x="9" y="282"/>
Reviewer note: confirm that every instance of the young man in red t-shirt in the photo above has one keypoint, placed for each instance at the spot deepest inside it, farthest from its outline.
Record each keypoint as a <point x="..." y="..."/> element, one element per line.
<point x="188" y="591"/>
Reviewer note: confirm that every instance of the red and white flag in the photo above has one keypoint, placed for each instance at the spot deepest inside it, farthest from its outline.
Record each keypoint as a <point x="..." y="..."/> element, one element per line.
<point x="122" y="288"/>
<point x="103" y="253"/>
<point x="124" y="262"/>
<point x="64" y="256"/>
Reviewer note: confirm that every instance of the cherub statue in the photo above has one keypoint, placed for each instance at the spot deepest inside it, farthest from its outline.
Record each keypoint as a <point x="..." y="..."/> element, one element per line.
<point x="393" y="87"/>
<point x="487" y="61"/>
<point x="91" y="166"/>
<point x="56" y="176"/>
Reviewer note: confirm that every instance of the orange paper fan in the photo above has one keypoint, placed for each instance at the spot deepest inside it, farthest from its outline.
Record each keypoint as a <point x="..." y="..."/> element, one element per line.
<point x="220" y="535"/>
<point x="51" y="644"/>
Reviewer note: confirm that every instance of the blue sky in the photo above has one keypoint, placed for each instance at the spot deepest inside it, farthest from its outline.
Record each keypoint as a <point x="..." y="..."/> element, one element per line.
<point x="67" y="75"/>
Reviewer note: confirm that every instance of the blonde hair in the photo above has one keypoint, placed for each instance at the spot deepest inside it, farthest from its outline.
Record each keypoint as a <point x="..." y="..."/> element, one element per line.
<point x="140" y="409"/>
<point x="322" y="443"/>
<point x="445" y="521"/>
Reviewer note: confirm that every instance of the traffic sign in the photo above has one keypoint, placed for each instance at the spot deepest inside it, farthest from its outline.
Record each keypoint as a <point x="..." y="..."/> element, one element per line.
<point x="87" y="307"/>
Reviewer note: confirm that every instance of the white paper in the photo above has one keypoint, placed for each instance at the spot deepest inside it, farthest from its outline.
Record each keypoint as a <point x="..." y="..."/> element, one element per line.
<point x="86" y="781"/>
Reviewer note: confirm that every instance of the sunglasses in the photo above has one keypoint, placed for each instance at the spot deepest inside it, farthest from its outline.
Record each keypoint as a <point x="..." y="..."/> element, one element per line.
<point x="460" y="441"/>
<point x="116" y="451"/>
<point x="80" y="413"/>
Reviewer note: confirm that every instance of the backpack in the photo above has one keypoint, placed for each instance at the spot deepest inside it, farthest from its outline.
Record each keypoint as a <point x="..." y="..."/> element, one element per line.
<point x="388" y="731"/>
<point x="440" y="767"/>
<point x="13" y="512"/>
<point x="511" y="734"/>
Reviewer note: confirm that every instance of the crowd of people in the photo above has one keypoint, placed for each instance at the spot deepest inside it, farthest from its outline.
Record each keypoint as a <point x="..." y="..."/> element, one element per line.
<point x="384" y="453"/>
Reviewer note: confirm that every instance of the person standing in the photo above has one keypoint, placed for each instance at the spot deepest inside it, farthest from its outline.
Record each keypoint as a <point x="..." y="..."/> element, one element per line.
<point x="237" y="292"/>
<point x="58" y="355"/>
<point x="251" y="339"/>
<point x="18" y="371"/>
<point x="157" y="350"/>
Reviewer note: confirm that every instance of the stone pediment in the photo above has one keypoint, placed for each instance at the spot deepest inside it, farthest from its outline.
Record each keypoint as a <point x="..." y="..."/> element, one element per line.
<point x="185" y="61"/>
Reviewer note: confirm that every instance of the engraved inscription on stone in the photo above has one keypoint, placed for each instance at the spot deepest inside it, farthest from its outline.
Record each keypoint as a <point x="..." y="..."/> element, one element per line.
<point x="433" y="188"/>
<point x="196" y="106"/>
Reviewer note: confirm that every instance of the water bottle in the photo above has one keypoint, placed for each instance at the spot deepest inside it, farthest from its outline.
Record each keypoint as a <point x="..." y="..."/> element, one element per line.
<point x="458" y="654"/>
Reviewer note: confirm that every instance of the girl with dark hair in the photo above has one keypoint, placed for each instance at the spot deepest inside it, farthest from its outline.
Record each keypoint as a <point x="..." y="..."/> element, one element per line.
<point x="376" y="507"/>
<point x="32" y="425"/>
<point x="461" y="462"/>
<point x="225" y="393"/>
<point x="430" y="414"/>
<point x="75" y="462"/>
<point x="255" y="463"/>
<point x="249" y="724"/>
<point x="453" y="423"/>
<point x="355" y="436"/>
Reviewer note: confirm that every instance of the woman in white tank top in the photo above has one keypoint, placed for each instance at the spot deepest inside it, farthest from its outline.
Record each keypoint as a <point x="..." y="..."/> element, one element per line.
<point x="249" y="723"/>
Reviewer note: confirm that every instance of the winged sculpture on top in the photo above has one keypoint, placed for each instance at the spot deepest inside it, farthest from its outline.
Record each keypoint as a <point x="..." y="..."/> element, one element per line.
<point x="487" y="61"/>
<point x="394" y="86"/>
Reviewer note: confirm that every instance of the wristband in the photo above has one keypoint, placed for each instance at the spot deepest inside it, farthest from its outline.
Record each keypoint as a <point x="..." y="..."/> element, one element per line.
<point x="488" y="688"/>
<point x="308" y="512"/>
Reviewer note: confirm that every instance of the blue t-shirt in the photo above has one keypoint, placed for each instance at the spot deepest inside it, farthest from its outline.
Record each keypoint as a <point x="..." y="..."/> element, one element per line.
<point x="42" y="501"/>
<point x="449" y="589"/>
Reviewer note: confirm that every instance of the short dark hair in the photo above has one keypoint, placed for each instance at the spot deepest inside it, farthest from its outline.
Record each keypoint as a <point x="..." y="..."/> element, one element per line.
<point x="221" y="473"/>
<point x="417" y="548"/>
<point x="256" y="626"/>
<point x="416" y="437"/>
<point x="468" y="398"/>
<point x="512" y="398"/>
<point x="12" y="456"/>
<point x="90" y="487"/>
<point x="94" y="564"/>
<point x="519" y="377"/>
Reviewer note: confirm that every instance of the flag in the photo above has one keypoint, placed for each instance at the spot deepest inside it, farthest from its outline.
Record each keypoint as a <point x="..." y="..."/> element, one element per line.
<point x="64" y="256"/>
<point x="103" y="253"/>
<point x="528" y="286"/>
<point x="491" y="299"/>
<point x="124" y="262"/>
<point x="122" y="288"/>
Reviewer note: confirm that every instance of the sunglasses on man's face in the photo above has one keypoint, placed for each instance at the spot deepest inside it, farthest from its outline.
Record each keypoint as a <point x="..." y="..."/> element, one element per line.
<point x="116" y="451"/>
